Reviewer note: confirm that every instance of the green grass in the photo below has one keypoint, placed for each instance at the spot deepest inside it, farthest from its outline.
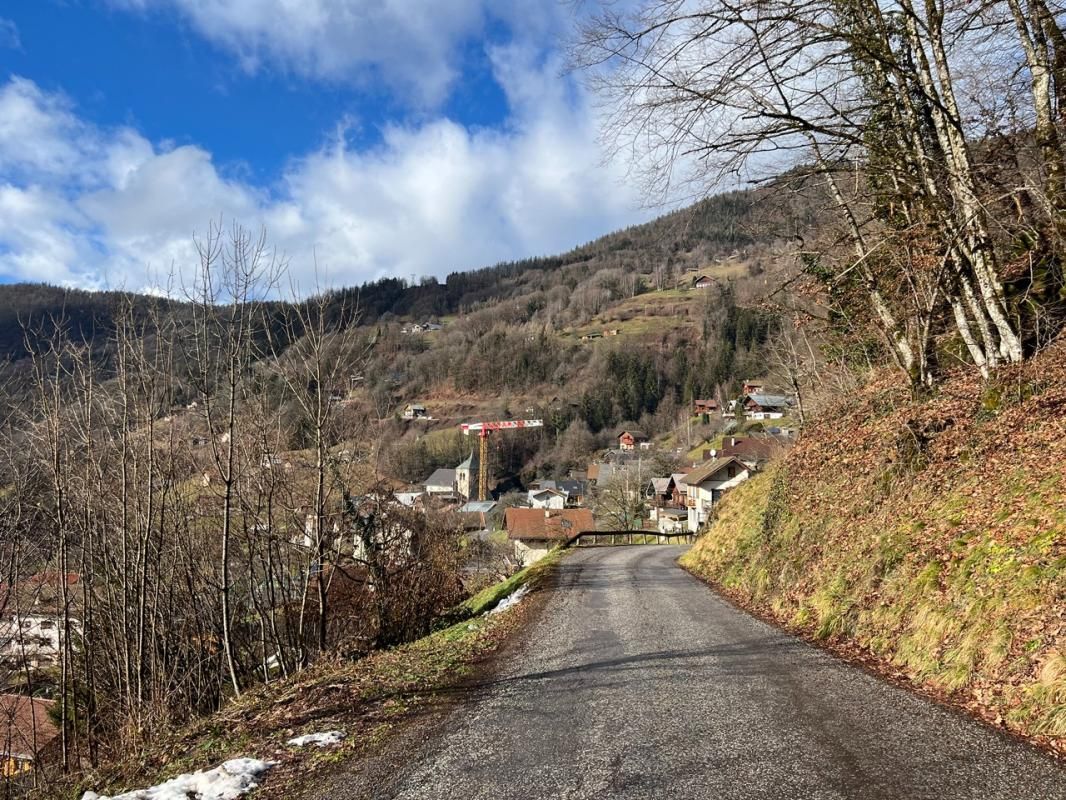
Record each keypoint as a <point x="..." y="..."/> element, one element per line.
<point x="490" y="596"/>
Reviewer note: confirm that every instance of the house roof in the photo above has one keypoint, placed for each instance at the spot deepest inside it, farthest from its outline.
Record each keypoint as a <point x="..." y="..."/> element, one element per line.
<point x="750" y="449"/>
<point x="706" y="471"/>
<point x="22" y="721"/>
<point x="572" y="486"/>
<point x="540" y="492"/>
<point x="416" y="406"/>
<point x="680" y="478"/>
<point x="660" y="485"/>
<point x="548" y="524"/>
<point x="407" y="498"/>
<point x="478" y="507"/>
<point x="634" y="432"/>
<point x="768" y="400"/>
<point x="441" y="477"/>
<point x="705" y="402"/>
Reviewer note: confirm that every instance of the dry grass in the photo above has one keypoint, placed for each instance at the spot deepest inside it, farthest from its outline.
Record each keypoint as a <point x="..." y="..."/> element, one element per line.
<point x="932" y="534"/>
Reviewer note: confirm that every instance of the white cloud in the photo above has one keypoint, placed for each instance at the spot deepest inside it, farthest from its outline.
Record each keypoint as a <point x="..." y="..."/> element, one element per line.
<point x="94" y="207"/>
<point x="409" y="45"/>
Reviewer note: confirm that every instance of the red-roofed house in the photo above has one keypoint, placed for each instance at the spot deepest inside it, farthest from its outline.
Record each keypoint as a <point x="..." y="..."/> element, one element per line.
<point x="535" y="531"/>
<point x="27" y="733"/>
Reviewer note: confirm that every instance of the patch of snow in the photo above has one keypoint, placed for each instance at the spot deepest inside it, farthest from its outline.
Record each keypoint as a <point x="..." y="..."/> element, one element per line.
<point x="324" y="739"/>
<point x="511" y="600"/>
<point x="228" y="781"/>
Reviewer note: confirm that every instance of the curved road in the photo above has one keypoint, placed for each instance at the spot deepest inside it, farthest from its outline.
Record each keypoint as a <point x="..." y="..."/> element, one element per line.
<point x="637" y="681"/>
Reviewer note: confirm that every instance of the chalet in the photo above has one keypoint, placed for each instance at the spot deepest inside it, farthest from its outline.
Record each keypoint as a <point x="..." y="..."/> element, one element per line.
<point x="590" y="336"/>
<point x="441" y="483"/>
<point x="27" y="733"/>
<point x="750" y="387"/>
<point x="576" y="490"/>
<point x="679" y="493"/>
<point x="536" y="531"/>
<point x="630" y="440"/>
<point x="701" y="407"/>
<point x="703" y="282"/>
<point x="766" y="406"/>
<point x="707" y="483"/>
<point x="415" y="411"/>
<point x="659" y="491"/>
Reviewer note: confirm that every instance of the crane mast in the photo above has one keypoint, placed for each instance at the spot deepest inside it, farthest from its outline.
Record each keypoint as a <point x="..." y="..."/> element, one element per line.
<point x="483" y="429"/>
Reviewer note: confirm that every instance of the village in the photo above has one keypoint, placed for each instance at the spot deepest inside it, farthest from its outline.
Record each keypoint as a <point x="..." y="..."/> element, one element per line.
<point x="506" y="526"/>
<point x="620" y="490"/>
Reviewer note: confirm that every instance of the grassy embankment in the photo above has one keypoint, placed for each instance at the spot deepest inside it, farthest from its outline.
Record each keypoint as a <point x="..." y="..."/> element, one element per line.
<point x="368" y="699"/>
<point x="928" y="534"/>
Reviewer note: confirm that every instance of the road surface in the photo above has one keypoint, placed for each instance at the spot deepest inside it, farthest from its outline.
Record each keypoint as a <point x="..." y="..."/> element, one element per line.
<point x="638" y="681"/>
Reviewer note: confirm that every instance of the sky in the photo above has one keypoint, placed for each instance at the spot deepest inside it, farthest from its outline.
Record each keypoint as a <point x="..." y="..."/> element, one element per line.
<point x="368" y="138"/>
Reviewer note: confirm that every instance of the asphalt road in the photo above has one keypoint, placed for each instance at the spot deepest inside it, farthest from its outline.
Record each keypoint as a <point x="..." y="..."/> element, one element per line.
<point x="637" y="681"/>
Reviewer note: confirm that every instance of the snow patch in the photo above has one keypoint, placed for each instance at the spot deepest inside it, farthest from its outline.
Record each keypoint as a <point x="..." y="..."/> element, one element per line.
<point x="227" y="781"/>
<point x="324" y="739"/>
<point x="511" y="600"/>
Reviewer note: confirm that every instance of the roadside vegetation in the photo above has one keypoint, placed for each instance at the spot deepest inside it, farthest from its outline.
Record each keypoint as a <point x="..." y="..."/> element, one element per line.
<point x="368" y="699"/>
<point x="930" y="533"/>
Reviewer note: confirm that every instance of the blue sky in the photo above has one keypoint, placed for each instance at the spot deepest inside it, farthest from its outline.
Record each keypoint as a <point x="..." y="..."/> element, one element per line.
<point x="384" y="138"/>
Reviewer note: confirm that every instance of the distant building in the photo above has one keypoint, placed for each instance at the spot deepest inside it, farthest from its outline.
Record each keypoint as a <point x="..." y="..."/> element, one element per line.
<point x="27" y="733"/>
<point x="32" y="616"/>
<point x="466" y="476"/>
<point x="441" y="483"/>
<point x="766" y="406"/>
<point x="707" y="483"/>
<point x="547" y="498"/>
<point x="703" y="282"/>
<point x="701" y="407"/>
<point x="751" y="387"/>
<point x="415" y="411"/>
<point x="630" y="440"/>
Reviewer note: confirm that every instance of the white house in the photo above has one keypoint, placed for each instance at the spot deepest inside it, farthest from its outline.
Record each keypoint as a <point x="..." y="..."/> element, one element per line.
<point x="440" y="483"/>
<point x="415" y="411"/>
<point x="707" y="483"/>
<point x="547" y="498"/>
<point x="31" y="621"/>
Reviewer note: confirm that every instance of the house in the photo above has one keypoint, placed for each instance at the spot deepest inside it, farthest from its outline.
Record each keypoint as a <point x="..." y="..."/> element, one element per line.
<point x="575" y="489"/>
<point x="630" y="440"/>
<point x="707" y="483"/>
<point x="27" y="733"/>
<point x="766" y="406"/>
<point x="476" y="515"/>
<point x="466" y="476"/>
<point x="32" y="617"/>
<point x="536" y="531"/>
<point x="751" y="387"/>
<point x="590" y="336"/>
<point x="701" y="407"/>
<point x="659" y="491"/>
<point x="415" y="411"/>
<point x="679" y="493"/>
<point x="441" y="483"/>
<point x="703" y="282"/>
<point x="547" y="498"/>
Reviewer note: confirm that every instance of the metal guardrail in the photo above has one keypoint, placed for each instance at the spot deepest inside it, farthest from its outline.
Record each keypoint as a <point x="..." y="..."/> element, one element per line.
<point x="608" y="538"/>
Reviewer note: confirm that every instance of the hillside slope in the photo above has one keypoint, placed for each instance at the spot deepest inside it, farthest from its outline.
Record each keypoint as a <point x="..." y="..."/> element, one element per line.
<point x="930" y="533"/>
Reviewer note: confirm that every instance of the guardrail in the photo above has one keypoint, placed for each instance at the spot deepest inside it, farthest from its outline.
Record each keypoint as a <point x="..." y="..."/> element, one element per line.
<point x="608" y="538"/>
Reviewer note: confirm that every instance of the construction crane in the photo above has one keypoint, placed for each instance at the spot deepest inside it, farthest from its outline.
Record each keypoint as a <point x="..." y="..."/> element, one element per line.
<point x="483" y="429"/>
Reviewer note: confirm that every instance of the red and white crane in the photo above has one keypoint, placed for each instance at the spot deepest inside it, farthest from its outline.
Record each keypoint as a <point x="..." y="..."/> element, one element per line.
<point x="483" y="429"/>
